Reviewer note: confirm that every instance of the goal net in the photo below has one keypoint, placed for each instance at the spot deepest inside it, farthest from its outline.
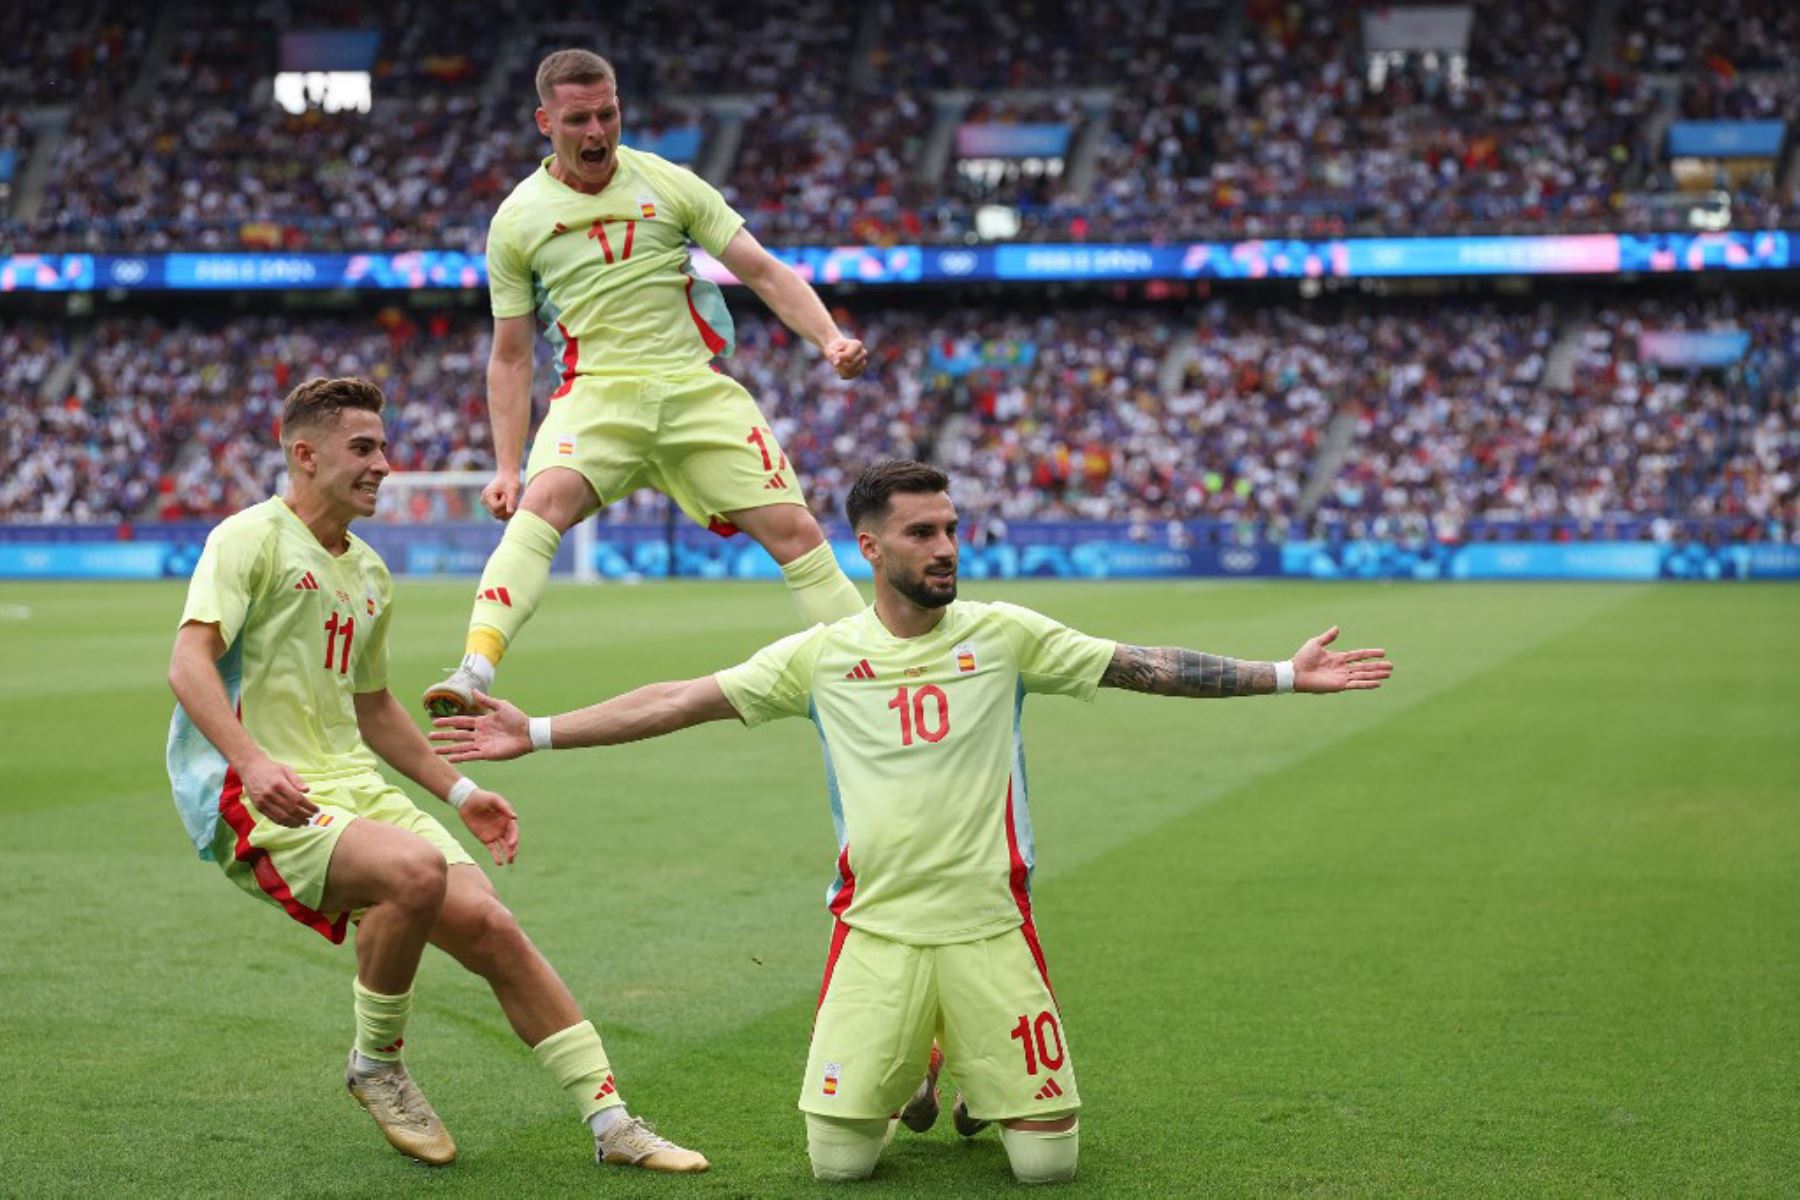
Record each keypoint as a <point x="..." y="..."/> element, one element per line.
<point x="433" y="523"/>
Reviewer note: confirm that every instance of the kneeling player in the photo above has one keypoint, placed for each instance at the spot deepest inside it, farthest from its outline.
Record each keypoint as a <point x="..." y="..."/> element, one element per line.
<point x="917" y="701"/>
<point x="280" y="668"/>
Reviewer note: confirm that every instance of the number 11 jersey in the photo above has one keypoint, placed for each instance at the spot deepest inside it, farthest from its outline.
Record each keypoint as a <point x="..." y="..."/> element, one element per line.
<point x="304" y="631"/>
<point x="924" y="758"/>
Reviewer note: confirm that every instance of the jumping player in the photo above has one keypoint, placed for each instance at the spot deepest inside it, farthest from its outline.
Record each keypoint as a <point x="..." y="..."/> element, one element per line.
<point x="594" y="246"/>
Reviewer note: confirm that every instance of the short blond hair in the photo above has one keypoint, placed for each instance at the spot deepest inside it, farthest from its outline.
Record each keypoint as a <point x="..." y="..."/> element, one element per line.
<point x="571" y="66"/>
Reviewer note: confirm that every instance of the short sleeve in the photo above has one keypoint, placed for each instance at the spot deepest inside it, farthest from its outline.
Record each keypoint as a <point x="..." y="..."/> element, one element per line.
<point x="509" y="271"/>
<point x="225" y="580"/>
<point x="776" y="681"/>
<point x="709" y="222"/>
<point x="1052" y="657"/>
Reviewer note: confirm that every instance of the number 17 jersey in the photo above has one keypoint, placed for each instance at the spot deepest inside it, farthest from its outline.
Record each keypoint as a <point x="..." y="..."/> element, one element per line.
<point x="924" y="757"/>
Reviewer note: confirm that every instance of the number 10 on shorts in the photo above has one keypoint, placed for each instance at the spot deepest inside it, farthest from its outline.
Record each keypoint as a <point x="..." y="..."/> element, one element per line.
<point x="1037" y="1037"/>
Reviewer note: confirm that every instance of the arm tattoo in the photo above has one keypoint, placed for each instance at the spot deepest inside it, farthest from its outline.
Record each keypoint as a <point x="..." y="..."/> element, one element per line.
<point x="1170" y="671"/>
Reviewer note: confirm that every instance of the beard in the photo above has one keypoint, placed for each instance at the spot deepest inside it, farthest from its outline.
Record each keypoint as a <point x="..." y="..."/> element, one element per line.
<point x="925" y="591"/>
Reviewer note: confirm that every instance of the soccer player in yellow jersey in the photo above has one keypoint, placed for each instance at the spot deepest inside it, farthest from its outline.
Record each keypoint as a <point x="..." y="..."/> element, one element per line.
<point x="593" y="246"/>
<point x="281" y="672"/>
<point x="917" y="701"/>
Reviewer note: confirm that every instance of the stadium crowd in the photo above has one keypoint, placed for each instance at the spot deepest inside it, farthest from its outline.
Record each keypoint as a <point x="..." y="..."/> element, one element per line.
<point x="1096" y="411"/>
<point x="1278" y="131"/>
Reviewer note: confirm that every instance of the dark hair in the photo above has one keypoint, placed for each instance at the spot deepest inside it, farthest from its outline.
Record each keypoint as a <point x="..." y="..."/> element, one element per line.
<point x="571" y="66"/>
<point x="318" y="403"/>
<point x="869" y="495"/>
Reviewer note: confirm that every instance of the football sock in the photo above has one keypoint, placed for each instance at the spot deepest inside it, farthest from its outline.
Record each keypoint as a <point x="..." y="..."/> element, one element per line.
<point x="380" y="1022"/>
<point x="820" y="588"/>
<point x="843" y="1149"/>
<point x="606" y="1118"/>
<point x="1042" y="1155"/>
<point x="512" y="584"/>
<point x="577" y="1061"/>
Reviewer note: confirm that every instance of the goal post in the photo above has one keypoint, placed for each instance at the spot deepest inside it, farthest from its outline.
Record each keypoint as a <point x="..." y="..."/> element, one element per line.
<point x="433" y="522"/>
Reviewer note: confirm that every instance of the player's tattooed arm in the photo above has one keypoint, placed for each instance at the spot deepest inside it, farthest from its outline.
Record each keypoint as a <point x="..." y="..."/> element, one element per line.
<point x="1172" y="671"/>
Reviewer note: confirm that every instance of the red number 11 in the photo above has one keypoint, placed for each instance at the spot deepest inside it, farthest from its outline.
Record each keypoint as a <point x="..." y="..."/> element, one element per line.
<point x="332" y="629"/>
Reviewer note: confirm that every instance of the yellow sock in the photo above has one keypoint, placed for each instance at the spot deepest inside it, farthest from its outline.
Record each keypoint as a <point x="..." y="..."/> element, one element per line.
<point x="512" y="584"/>
<point x="820" y="588"/>
<point x="577" y="1061"/>
<point x="380" y="1022"/>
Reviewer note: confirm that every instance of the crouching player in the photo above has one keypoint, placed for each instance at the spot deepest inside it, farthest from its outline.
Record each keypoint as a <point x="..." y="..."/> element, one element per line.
<point x="917" y="701"/>
<point x="281" y="671"/>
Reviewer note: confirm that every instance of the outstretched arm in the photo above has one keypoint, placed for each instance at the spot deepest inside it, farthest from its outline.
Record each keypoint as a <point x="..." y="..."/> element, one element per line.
<point x="503" y="731"/>
<point x="1171" y="671"/>
<point x="793" y="300"/>
<point x="389" y="730"/>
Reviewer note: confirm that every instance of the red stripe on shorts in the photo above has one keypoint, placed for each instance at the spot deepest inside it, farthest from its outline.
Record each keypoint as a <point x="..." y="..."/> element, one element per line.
<point x="231" y="807"/>
<point x="838" y="934"/>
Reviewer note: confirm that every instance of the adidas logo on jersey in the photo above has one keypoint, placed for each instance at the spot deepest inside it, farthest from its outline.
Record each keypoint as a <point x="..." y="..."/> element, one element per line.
<point x="861" y="670"/>
<point x="1049" y="1091"/>
<point x="776" y="483"/>
<point x="307" y="583"/>
<point x="497" y="594"/>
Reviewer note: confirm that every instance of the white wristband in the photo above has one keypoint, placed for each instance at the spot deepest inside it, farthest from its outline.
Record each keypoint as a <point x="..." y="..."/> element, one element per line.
<point x="460" y="791"/>
<point x="1284" y="677"/>
<point x="540" y="733"/>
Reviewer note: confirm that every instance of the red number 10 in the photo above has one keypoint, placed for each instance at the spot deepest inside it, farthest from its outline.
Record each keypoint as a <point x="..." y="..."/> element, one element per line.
<point x="912" y="713"/>
<point x="332" y="629"/>
<point x="1027" y="1032"/>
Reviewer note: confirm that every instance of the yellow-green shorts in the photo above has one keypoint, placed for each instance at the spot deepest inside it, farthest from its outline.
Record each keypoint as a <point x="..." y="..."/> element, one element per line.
<point x="988" y="1003"/>
<point x="698" y="438"/>
<point x="286" y="865"/>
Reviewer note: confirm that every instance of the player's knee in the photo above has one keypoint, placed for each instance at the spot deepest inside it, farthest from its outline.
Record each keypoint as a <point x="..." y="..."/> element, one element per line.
<point x="417" y="878"/>
<point x="1042" y="1155"/>
<point x="843" y="1151"/>
<point x="788" y="532"/>
<point x="494" y="938"/>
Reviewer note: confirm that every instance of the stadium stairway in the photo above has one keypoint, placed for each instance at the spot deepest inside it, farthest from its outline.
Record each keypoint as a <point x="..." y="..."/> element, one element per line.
<point x="47" y="126"/>
<point x="170" y="20"/>
<point x="940" y="143"/>
<point x="1090" y="140"/>
<point x="1334" y="447"/>
<point x="1559" y="365"/>
<point x="1603" y="34"/>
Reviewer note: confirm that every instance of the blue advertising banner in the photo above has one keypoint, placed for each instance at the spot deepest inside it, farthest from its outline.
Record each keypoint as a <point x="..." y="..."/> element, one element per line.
<point x="1693" y="347"/>
<point x="1115" y="550"/>
<point x="1726" y="139"/>
<point x="47" y="273"/>
<point x="1342" y="258"/>
<point x="1006" y="140"/>
<point x="678" y="143"/>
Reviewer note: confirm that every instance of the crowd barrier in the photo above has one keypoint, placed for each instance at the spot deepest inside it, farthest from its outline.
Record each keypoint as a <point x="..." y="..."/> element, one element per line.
<point x="1603" y="254"/>
<point x="1100" y="550"/>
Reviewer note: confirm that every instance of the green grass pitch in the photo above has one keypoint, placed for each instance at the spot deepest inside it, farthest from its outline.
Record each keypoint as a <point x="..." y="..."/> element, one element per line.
<point x="1525" y="922"/>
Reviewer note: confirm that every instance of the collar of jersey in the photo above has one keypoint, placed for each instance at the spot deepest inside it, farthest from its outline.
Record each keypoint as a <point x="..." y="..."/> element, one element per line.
<point x="618" y="174"/>
<point x="925" y="640"/>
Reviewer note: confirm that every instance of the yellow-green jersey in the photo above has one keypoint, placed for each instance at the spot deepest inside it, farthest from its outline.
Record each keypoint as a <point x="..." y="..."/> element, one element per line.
<point x="924" y="759"/>
<point x="609" y="275"/>
<point x="304" y="630"/>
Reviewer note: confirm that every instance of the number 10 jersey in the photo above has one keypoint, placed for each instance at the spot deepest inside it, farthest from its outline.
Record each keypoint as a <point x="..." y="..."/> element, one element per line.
<point x="924" y="759"/>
